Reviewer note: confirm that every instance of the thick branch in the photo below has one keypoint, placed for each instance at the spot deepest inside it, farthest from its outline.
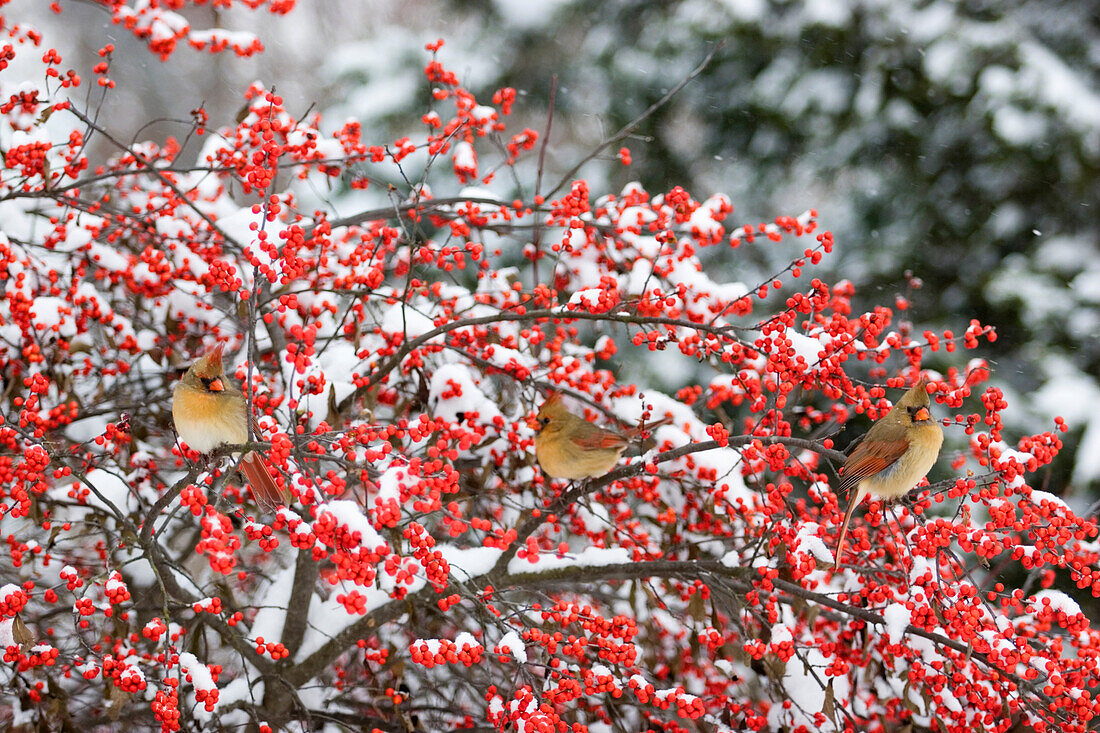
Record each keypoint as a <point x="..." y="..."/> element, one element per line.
<point x="297" y="612"/>
<point x="420" y="207"/>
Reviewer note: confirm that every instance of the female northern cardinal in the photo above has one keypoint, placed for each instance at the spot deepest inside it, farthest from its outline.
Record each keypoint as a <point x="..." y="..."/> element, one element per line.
<point x="570" y="447"/>
<point x="208" y="411"/>
<point x="893" y="457"/>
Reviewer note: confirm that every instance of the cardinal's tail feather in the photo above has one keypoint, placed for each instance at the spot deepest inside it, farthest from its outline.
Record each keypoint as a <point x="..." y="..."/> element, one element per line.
<point x="854" y="498"/>
<point x="267" y="491"/>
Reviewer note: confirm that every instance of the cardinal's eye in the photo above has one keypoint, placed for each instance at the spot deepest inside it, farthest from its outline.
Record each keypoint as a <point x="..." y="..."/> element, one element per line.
<point x="544" y="421"/>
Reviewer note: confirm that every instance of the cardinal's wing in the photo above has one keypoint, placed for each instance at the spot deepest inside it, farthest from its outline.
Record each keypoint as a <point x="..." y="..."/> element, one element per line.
<point x="868" y="459"/>
<point x="599" y="439"/>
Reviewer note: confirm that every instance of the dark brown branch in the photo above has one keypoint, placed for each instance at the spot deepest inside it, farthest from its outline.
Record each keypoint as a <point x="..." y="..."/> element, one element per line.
<point x="563" y="502"/>
<point x="297" y="612"/>
<point x="166" y="574"/>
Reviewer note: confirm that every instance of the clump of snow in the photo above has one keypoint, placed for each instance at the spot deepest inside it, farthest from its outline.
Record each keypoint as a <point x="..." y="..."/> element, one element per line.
<point x="1038" y="497"/>
<point x="1067" y="392"/>
<point x="349" y="513"/>
<point x="731" y="559"/>
<point x="528" y="15"/>
<point x="465" y="638"/>
<point x="453" y="391"/>
<point x="272" y="600"/>
<point x="748" y="11"/>
<point x="806" y="347"/>
<point x="475" y="192"/>
<point x="1087" y="468"/>
<point x="110" y="491"/>
<point x="1059" y="601"/>
<point x="781" y="634"/>
<point x="49" y="313"/>
<point x="801" y="682"/>
<point x="115" y="583"/>
<point x="7" y="635"/>
<point x="401" y="318"/>
<point x="807" y="541"/>
<point x="897" y="618"/>
<point x="130" y="674"/>
<point x="1019" y="127"/>
<point x="702" y="219"/>
<point x="390" y="483"/>
<point x="200" y="675"/>
<point x="834" y="13"/>
<point x="512" y="644"/>
<point x="590" y="557"/>
<point x="464" y="156"/>
<point x="588" y="299"/>
<point x="469" y="562"/>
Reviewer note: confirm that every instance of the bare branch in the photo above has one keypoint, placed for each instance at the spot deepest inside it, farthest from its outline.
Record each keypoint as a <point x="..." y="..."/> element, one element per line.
<point x="627" y="129"/>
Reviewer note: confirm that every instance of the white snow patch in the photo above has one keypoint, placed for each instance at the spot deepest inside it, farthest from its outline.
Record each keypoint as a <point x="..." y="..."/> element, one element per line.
<point x="470" y="562"/>
<point x="526" y="14"/>
<point x="451" y="378"/>
<point x="513" y="644"/>
<point x="1038" y="497"/>
<point x="590" y="557"/>
<point x="1059" y="601"/>
<point x="113" y="490"/>
<point x="897" y="618"/>
<point x="807" y="541"/>
<point x="349" y="513"/>
<point x="400" y="318"/>
<point x="7" y="635"/>
<point x="201" y="678"/>
<point x="588" y="299"/>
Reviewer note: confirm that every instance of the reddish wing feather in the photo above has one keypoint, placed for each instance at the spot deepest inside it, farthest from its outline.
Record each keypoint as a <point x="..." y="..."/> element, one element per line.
<point x="599" y="439"/>
<point x="868" y="459"/>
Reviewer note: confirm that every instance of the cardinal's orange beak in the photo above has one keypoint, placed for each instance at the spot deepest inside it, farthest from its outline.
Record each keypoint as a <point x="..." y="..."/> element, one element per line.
<point x="922" y="414"/>
<point x="217" y="386"/>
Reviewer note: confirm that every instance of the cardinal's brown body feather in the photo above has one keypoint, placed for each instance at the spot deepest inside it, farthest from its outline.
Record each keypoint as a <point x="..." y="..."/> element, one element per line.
<point x="570" y="447"/>
<point x="208" y="411"/>
<point x="897" y="452"/>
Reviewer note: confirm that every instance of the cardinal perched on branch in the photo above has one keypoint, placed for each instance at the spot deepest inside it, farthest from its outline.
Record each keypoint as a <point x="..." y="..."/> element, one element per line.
<point x="897" y="452"/>
<point x="570" y="447"/>
<point x="209" y="411"/>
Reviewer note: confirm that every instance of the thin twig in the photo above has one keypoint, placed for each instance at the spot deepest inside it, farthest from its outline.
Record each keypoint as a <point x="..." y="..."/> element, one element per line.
<point x="163" y="178"/>
<point x="407" y="347"/>
<point x="536" y="239"/>
<point x="629" y="127"/>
